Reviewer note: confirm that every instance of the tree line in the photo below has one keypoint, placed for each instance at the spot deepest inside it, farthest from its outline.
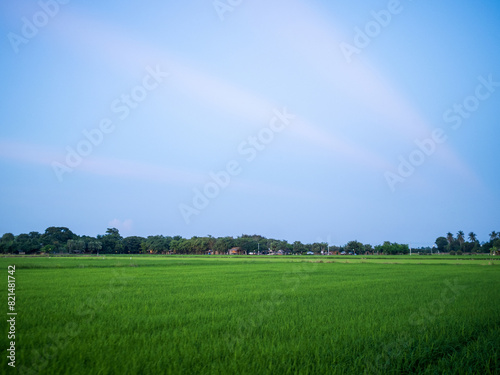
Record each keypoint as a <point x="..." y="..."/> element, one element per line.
<point x="461" y="244"/>
<point x="63" y="240"/>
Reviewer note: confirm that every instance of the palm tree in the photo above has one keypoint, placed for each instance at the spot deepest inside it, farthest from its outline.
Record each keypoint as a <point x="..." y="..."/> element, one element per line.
<point x="472" y="237"/>
<point x="460" y="237"/>
<point x="493" y="235"/>
<point x="449" y="237"/>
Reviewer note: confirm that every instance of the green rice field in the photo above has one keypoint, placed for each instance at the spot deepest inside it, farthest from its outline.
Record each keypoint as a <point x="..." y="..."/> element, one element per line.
<point x="253" y="315"/>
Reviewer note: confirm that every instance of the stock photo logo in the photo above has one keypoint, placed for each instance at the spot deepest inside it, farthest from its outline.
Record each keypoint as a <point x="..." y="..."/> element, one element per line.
<point x="252" y="187"/>
<point x="122" y="107"/>
<point x="454" y="116"/>
<point x="32" y="25"/>
<point x="372" y="29"/>
<point x="249" y="149"/>
<point x="223" y="6"/>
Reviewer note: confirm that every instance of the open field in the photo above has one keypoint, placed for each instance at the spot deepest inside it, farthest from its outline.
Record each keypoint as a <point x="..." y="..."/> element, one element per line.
<point x="254" y="315"/>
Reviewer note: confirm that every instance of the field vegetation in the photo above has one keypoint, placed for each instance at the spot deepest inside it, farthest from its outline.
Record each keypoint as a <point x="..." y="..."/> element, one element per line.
<point x="61" y="240"/>
<point x="255" y="315"/>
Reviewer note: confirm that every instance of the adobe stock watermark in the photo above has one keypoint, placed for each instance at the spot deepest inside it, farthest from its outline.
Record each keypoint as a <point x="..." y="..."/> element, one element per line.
<point x="372" y="29"/>
<point x="427" y="314"/>
<point x="291" y="281"/>
<point x="428" y="146"/>
<point x="224" y="6"/>
<point x="57" y="342"/>
<point x="31" y="26"/>
<point x="248" y="149"/>
<point x="122" y="107"/>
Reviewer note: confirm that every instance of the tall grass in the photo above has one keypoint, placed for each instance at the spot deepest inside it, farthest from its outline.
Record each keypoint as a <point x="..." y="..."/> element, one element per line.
<point x="261" y="315"/>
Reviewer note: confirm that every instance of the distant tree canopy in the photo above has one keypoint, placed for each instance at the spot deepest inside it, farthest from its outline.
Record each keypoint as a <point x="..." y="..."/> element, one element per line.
<point x="58" y="237"/>
<point x="466" y="244"/>
<point x="355" y="247"/>
<point x="389" y="248"/>
<point x="441" y="243"/>
<point x="63" y="240"/>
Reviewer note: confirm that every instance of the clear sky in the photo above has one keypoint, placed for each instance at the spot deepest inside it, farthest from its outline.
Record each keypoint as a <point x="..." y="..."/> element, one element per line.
<point x="298" y="120"/>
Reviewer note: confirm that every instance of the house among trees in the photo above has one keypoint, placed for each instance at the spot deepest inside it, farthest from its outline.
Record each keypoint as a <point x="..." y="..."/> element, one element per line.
<point x="235" y="251"/>
<point x="61" y="240"/>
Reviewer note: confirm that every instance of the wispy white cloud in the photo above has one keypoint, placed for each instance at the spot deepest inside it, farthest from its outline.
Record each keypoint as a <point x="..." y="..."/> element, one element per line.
<point x="364" y="84"/>
<point x="128" y="53"/>
<point x="114" y="168"/>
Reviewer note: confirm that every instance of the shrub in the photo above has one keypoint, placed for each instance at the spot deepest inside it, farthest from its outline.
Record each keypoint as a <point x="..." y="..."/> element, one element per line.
<point x="452" y="252"/>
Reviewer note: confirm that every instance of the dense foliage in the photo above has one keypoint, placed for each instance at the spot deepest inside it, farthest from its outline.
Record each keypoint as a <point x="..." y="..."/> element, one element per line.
<point x="63" y="240"/>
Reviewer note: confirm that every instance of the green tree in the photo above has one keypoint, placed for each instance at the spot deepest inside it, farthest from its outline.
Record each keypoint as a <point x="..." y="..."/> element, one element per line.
<point x="178" y="245"/>
<point x="132" y="244"/>
<point x="156" y="244"/>
<point x="441" y="243"/>
<point x="211" y="242"/>
<point x="389" y="248"/>
<point x="76" y="246"/>
<point x="8" y="237"/>
<point x="453" y="244"/>
<point x="472" y="237"/>
<point x="298" y="247"/>
<point x="354" y="247"/>
<point x="58" y="237"/>
<point x="472" y="246"/>
<point x="283" y="246"/>
<point x="7" y="244"/>
<point x="221" y="245"/>
<point x="23" y="243"/>
<point x="47" y="249"/>
<point x="200" y="245"/>
<point x="35" y="241"/>
<point x="28" y="243"/>
<point x="316" y="247"/>
<point x="460" y="238"/>
<point x="246" y="243"/>
<point x="449" y="238"/>
<point x="111" y="241"/>
<point x="71" y="245"/>
<point x="273" y="245"/>
<point x="469" y="247"/>
<point x="94" y="247"/>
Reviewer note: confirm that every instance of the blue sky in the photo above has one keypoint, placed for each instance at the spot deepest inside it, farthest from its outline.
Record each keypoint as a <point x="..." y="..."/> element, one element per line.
<point x="310" y="112"/>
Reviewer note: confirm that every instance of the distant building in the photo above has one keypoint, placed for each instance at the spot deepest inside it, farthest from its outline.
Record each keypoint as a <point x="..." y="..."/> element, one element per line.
<point x="235" y="251"/>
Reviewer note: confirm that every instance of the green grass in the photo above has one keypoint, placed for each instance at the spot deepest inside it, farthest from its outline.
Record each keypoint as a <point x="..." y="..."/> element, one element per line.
<point x="255" y="315"/>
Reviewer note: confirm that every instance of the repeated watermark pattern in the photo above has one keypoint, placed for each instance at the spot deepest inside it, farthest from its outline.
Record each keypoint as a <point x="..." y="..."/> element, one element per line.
<point x="454" y="116"/>
<point x="363" y="36"/>
<point x="41" y="357"/>
<point x="248" y="327"/>
<point x="121" y="107"/>
<point x="31" y="26"/>
<point x="394" y="351"/>
<point x="220" y="180"/>
<point x="223" y="6"/>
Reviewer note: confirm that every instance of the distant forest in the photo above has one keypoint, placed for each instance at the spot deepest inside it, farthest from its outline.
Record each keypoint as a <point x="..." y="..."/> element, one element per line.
<point x="58" y="240"/>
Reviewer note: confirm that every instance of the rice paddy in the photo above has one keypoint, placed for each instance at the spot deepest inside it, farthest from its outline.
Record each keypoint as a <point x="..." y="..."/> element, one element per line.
<point x="255" y="315"/>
